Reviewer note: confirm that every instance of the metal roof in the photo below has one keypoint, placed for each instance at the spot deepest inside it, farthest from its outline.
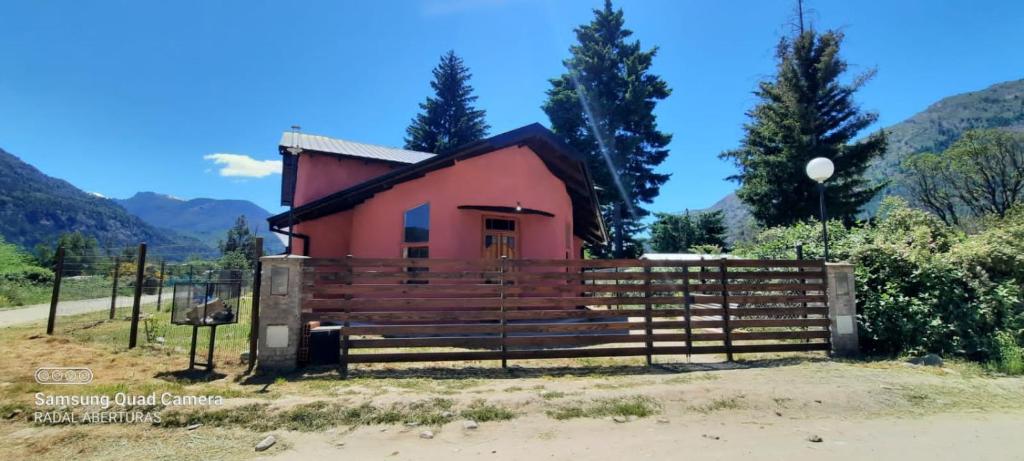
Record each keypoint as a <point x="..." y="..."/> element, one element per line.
<point x="352" y="149"/>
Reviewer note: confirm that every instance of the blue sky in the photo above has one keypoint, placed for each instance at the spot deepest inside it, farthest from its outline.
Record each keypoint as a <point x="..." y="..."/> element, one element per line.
<point x="119" y="97"/>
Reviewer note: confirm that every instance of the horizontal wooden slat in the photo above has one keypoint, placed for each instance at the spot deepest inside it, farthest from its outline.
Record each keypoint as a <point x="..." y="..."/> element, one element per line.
<point x="777" y="313"/>
<point x="400" y="262"/>
<point x="583" y="301"/>
<point x="766" y="299"/>
<point x="574" y="353"/>
<point x="778" y="323"/>
<point x="494" y="355"/>
<point x="401" y="289"/>
<point x="778" y="335"/>
<point x="446" y="341"/>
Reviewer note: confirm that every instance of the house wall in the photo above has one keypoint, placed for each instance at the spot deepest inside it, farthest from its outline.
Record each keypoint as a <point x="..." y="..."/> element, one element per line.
<point x="320" y="175"/>
<point x="374" y="228"/>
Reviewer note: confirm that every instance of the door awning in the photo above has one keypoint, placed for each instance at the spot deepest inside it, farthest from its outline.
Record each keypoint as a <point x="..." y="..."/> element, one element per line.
<point x="507" y="209"/>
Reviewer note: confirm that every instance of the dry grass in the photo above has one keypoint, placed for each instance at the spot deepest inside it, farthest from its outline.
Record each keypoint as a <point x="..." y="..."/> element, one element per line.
<point x="436" y="394"/>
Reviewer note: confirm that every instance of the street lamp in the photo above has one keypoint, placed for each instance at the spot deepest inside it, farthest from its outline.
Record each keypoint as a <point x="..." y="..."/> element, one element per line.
<point x="820" y="169"/>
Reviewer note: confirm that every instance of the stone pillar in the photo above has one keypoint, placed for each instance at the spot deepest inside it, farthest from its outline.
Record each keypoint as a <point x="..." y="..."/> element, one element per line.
<point x="280" y="313"/>
<point x="842" y="309"/>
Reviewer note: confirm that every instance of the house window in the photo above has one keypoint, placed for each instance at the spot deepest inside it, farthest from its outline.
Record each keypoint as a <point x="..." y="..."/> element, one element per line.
<point x="417" y="224"/>
<point x="500" y="224"/>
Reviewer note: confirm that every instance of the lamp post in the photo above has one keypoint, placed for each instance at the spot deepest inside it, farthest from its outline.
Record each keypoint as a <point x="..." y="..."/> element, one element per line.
<point x="820" y="169"/>
<point x="294" y="150"/>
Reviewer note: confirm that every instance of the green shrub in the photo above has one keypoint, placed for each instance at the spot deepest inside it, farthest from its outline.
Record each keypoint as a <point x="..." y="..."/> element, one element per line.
<point x="781" y="242"/>
<point x="1009" y="355"/>
<point x="922" y="286"/>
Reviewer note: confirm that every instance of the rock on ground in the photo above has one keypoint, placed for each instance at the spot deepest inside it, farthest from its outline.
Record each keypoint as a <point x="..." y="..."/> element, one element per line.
<point x="268" y="442"/>
<point x="929" y="360"/>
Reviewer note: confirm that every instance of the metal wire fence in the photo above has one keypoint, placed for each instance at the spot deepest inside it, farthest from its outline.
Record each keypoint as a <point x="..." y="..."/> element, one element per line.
<point x="96" y="297"/>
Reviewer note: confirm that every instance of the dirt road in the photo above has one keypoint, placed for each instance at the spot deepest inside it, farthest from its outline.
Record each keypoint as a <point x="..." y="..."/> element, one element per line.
<point x="37" y="312"/>
<point x="936" y="437"/>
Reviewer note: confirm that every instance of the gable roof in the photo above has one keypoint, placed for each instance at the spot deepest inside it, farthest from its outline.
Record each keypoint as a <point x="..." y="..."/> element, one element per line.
<point x="327" y="145"/>
<point x="559" y="158"/>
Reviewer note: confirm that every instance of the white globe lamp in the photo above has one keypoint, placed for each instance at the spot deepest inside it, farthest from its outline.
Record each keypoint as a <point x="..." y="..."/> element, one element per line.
<point x="819" y="170"/>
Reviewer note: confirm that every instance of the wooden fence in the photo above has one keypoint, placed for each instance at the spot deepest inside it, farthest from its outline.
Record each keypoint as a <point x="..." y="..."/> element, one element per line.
<point x="403" y="310"/>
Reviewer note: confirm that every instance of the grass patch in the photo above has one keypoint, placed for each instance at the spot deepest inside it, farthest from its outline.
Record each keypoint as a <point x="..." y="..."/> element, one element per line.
<point x="482" y="411"/>
<point x="1009" y="355"/>
<point x="255" y="416"/>
<point x="322" y="415"/>
<point x="637" y="405"/>
<point x="719" y="404"/>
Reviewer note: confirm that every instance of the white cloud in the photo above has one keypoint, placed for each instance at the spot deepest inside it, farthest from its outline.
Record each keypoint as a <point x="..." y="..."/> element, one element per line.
<point x="97" y="194"/>
<point x="238" y="165"/>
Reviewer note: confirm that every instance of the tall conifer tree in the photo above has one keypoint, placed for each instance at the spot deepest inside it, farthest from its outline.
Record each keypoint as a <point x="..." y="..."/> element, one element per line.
<point x="448" y="119"/>
<point x="803" y="113"/>
<point x="604" y="107"/>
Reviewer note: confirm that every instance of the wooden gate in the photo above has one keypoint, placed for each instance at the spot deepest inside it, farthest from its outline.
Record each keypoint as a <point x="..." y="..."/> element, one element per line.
<point x="531" y="309"/>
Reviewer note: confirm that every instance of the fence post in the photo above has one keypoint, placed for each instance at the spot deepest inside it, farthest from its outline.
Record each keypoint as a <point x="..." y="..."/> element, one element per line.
<point x="58" y="271"/>
<point x="686" y="312"/>
<point x="702" y="268"/>
<point x="501" y="306"/>
<point x="113" y="291"/>
<point x="254" y="314"/>
<point x="160" y="286"/>
<point x="345" y="324"/>
<point x="140" y="277"/>
<point x="648" y="328"/>
<point x="800" y="257"/>
<point x="725" y="309"/>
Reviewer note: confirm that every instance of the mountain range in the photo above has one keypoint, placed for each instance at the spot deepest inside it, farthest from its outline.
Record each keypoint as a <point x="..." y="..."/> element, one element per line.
<point x="203" y="218"/>
<point x="36" y="208"/>
<point x="931" y="130"/>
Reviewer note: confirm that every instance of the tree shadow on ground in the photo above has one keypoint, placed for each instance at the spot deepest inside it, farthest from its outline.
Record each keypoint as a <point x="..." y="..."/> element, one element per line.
<point x="194" y="375"/>
<point x="519" y="372"/>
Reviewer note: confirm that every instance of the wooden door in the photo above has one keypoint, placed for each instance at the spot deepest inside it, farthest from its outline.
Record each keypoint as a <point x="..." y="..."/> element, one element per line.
<point x="500" y="238"/>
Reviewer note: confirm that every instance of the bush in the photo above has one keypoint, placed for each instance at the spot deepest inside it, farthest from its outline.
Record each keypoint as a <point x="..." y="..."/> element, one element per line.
<point x="1009" y="355"/>
<point x="781" y="242"/>
<point x="923" y="286"/>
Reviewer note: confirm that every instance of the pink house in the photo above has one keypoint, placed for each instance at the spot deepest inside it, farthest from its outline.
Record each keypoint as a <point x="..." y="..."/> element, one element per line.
<point x="521" y="194"/>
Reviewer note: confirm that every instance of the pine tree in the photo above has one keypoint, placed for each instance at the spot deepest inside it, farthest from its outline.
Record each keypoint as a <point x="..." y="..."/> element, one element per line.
<point x="448" y="119"/>
<point x="679" y="233"/>
<point x="240" y="242"/>
<point x="604" y="108"/>
<point x="803" y="113"/>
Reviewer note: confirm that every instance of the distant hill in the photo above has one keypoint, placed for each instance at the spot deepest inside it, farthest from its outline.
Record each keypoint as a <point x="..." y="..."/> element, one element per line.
<point x="203" y="218"/>
<point x="937" y="127"/>
<point x="37" y="208"/>
<point x="739" y="224"/>
<point x="931" y="130"/>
